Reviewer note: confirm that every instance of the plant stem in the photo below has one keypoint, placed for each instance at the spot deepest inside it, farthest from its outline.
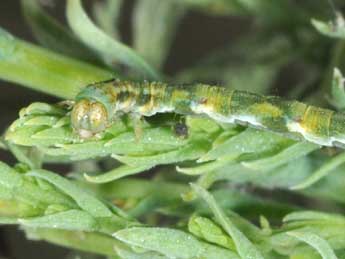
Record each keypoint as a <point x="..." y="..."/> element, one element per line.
<point x="44" y="70"/>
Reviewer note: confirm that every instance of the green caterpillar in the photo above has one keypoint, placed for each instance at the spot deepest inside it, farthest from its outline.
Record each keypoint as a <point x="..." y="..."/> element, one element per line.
<point x="98" y="104"/>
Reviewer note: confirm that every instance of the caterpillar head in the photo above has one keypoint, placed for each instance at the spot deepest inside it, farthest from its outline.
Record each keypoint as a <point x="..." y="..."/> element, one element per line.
<point x="89" y="117"/>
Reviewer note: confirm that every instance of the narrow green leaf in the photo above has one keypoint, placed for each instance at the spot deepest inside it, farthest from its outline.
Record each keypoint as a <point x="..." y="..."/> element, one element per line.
<point x="162" y="240"/>
<point x="43" y="70"/>
<point x="68" y="144"/>
<point x="204" y="125"/>
<point x="243" y="245"/>
<point x="281" y="177"/>
<point x="172" y="243"/>
<point x="323" y="171"/>
<point x="23" y="135"/>
<point x="109" y="49"/>
<point x="107" y="14"/>
<point x="116" y="173"/>
<point x="286" y="155"/>
<point x="23" y="196"/>
<point x="153" y="34"/>
<point x="316" y="242"/>
<point x="51" y="34"/>
<point x="41" y="120"/>
<point x="206" y="229"/>
<point x="51" y="136"/>
<point x="84" y="241"/>
<point x="43" y="109"/>
<point x="9" y="178"/>
<point x="129" y="254"/>
<point x="141" y="188"/>
<point x="68" y="220"/>
<point x="248" y="141"/>
<point x="337" y="98"/>
<point x="26" y="155"/>
<point x="313" y="215"/>
<point x="207" y="167"/>
<point x="162" y="136"/>
<point x="265" y="225"/>
<point x="334" y="29"/>
<point x="188" y="152"/>
<point x="83" y="199"/>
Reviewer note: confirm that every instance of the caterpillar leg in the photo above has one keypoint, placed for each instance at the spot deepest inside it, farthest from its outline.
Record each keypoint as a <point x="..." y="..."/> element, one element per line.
<point x="136" y="119"/>
<point x="66" y="104"/>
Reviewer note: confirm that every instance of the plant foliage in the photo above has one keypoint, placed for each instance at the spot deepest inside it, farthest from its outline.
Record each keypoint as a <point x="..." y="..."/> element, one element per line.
<point x="219" y="191"/>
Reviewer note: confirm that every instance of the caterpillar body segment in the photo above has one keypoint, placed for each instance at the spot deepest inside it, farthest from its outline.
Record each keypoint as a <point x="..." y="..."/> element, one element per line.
<point x="98" y="104"/>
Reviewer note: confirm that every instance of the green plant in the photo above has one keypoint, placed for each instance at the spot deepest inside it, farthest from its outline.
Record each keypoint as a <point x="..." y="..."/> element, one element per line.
<point x="246" y="183"/>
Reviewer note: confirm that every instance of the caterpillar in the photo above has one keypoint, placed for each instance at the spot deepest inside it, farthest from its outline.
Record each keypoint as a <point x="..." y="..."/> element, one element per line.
<point x="98" y="104"/>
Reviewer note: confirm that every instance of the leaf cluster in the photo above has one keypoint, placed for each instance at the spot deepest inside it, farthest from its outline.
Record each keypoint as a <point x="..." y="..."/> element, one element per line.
<point x="254" y="194"/>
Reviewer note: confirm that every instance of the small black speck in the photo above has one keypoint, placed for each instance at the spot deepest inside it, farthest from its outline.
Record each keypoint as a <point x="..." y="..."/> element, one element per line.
<point x="181" y="130"/>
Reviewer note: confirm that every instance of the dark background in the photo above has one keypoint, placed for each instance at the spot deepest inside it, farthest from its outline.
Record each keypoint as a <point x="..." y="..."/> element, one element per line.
<point x="197" y="35"/>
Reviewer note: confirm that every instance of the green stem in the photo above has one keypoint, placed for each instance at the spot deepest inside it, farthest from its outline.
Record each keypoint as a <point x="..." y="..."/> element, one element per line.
<point x="43" y="70"/>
